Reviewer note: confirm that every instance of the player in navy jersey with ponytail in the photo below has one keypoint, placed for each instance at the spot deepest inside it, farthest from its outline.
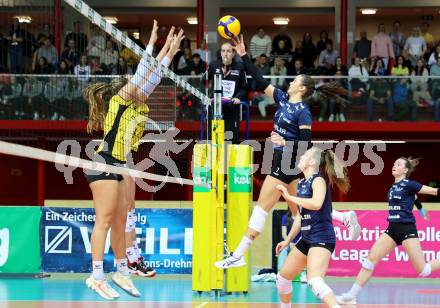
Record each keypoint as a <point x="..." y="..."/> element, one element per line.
<point x="321" y="169"/>
<point x="291" y="135"/>
<point x="401" y="229"/>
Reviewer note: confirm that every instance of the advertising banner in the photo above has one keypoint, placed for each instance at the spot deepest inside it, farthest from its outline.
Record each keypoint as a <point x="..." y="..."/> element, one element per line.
<point x="20" y="239"/>
<point x="164" y="238"/>
<point x="345" y="259"/>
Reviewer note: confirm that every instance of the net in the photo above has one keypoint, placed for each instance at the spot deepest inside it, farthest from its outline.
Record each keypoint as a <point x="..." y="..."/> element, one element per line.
<point x="106" y="58"/>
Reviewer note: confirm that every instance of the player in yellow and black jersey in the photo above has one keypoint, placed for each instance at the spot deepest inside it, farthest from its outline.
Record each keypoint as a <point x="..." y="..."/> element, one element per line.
<point x="123" y="127"/>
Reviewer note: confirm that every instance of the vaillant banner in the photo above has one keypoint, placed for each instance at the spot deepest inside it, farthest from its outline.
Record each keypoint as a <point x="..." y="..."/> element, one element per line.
<point x="164" y="237"/>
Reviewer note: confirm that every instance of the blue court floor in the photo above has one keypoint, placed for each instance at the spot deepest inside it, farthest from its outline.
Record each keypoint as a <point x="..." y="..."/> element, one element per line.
<point x="69" y="291"/>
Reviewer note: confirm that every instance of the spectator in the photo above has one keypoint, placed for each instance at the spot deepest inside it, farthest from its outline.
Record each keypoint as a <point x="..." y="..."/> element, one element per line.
<point x="130" y="57"/>
<point x="96" y="67"/>
<point x="328" y="56"/>
<point x="70" y="55"/>
<point x="196" y="66"/>
<point x="78" y="37"/>
<point x="184" y="61"/>
<point x="397" y="38"/>
<point x="281" y="52"/>
<point x="358" y="78"/>
<point x="109" y="58"/>
<point x="63" y="68"/>
<point x="308" y="51"/>
<point x="298" y="68"/>
<point x="46" y="32"/>
<point x="97" y="44"/>
<point x="262" y="62"/>
<point x="205" y="54"/>
<point x="122" y="68"/>
<point x="14" y="98"/>
<point x="277" y="70"/>
<point x="297" y="53"/>
<point x="43" y="67"/>
<point x="419" y="84"/>
<point x="358" y="70"/>
<point x="34" y="106"/>
<point x="416" y="46"/>
<point x="332" y="102"/>
<point x="55" y="99"/>
<point x="378" y="68"/>
<point x="260" y="44"/>
<point x="323" y="41"/>
<point x="400" y="68"/>
<point x="47" y="51"/>
<point x="83" y="67"/>
<point x="402" y="101"/>
<point x="382" y="46"/>
<point x="282" y="36"/>
<point x="433" y="57"/>
<point x="16" y="44"/>
<point x="362" y="47"/>
<point x="380" y="94"/>
<point x="429" y="38"/>
<point x="340" y="67"/>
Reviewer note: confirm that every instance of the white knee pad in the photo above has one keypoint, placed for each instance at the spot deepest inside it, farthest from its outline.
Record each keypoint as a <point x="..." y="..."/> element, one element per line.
<point x="258" y="218"/>
<point x="319" y="287"/>
<point x="284" y="285"/>
<point x="367" y="264"/>
<point x="426" y="270"/>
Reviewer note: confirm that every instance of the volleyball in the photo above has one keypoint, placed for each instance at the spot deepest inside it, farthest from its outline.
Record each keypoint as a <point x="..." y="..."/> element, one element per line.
<point x="228" y="26"/>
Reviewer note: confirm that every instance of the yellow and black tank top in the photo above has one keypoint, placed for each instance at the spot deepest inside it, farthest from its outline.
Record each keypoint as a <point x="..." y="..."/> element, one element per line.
<point x="124" y="125"/>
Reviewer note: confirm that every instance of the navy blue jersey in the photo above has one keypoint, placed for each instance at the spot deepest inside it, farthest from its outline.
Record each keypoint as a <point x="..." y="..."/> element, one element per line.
<point x="289" y="116"/>
<point x="401" y="198"/>
<point x="316" y="226"/>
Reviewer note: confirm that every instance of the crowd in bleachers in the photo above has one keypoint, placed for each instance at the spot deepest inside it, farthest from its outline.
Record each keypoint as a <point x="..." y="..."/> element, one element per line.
<point x="387" y="54"/>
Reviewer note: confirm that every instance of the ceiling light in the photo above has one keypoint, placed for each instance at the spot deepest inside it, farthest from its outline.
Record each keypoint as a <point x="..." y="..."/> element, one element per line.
<point x="192" y="20"/>
<point x="111" y="20"/>
<point x="368" y="11"/>
<point x="281" y="21"/>
<point x="24" y="19"/>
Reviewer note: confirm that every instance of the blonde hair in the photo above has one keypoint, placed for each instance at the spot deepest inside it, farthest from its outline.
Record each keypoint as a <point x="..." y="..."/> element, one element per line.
<point x="335" y="171"/>
<point x="410" y="164"/>
<point x="95" y="94"/>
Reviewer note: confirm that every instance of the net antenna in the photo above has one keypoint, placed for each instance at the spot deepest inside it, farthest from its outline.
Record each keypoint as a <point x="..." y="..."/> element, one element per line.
<point x="95" y="18"/>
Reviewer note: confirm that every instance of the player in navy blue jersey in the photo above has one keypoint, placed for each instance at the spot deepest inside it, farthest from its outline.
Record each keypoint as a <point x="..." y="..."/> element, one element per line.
<point x="321" y="169"/>
<point x="292" y="134"/>
<point x="401" y="228"/>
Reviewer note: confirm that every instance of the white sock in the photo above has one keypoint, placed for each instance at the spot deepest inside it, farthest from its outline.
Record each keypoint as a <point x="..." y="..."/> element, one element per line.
<point x="242" y="247"/>
<point x="98" y="270"/>
<point x="338" y="216"/>
<point x="355" y="289"/>
<point x="285" y="305"/>
<point x="131" y="254"/>
<point x="137" y="251"/>
<point x="121" y="265"/>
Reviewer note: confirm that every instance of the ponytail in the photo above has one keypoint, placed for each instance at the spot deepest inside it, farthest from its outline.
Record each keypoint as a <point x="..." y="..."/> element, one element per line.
<point x="410" y="164"/>
<point x="94" y="94"/>
<point x="336" y="173"/>
<point x="323" y="92"/>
